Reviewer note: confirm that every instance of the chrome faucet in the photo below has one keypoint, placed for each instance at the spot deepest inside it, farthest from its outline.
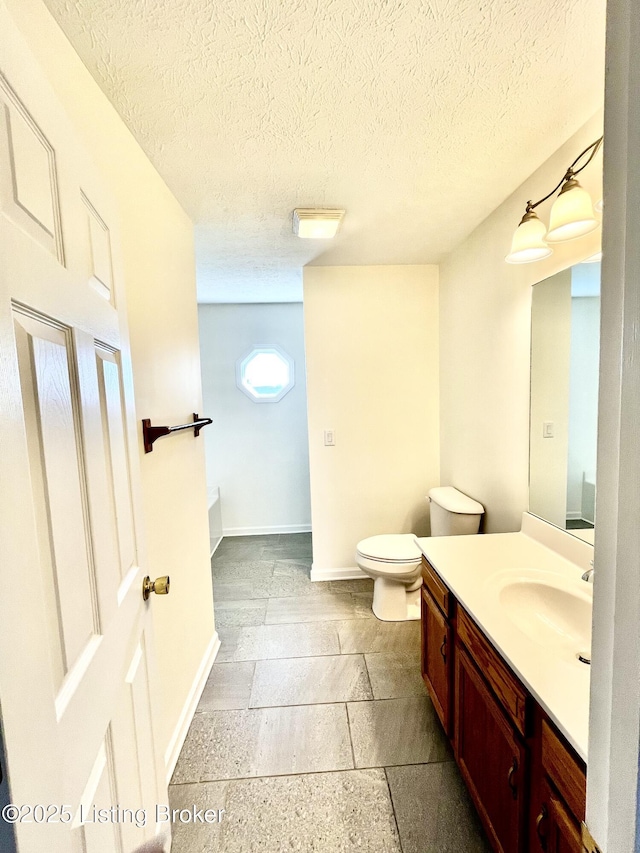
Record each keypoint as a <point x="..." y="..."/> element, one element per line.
<point x="588" y="575"/>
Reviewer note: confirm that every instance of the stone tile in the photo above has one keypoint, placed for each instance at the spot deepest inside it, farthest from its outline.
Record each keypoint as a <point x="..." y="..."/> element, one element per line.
<point x="244" y="547"/>
<point x="260" y="538"/>
<point x="270" y="642"/>
<point x="395" y="674"/>
<point x="362" y="602"/>
<point x="434" y="811"/>
<point x="314" y="608"/>
<point x="332" y="812"/>
<point x="237" y="552"/>
<point x="305" y="681"/>
<point x="228" y="686"/>
<point x="235" y="569"/>
<point x="360" y="636"/>
<point x="396" y="731"/>
<point x="239" y="589"/>
<point x="289" y="568"/>
<point x="265" y="742"/>
<point x="286" y="550"/>
<point x="364" y="585"/>
<point x="198" y="837"/>
<point x="238" y="614"/>
<point x="196" y="743"/>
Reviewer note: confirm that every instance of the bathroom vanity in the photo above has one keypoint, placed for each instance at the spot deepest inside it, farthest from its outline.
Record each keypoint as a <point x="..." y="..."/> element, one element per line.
<point x="504" y="619"/>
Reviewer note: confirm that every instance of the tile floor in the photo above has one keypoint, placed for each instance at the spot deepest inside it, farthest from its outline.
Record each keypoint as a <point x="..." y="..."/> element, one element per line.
<point x="314" y="731"/>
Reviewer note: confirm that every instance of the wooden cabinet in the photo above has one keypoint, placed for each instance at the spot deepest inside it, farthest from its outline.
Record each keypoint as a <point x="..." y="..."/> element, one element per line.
<point x="528" y="785"/>
<point x="557" y="830"/>
<point x="437" y="658"/>
<point x="492" y="760"/>
<point x="564" y="829"/>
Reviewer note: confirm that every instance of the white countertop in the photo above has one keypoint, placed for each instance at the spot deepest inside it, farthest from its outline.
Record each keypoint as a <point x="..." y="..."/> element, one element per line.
<point x="560" y="683"/>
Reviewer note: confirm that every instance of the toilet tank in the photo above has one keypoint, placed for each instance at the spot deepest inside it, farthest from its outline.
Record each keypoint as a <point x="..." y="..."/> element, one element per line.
<point x="453" y="513"/>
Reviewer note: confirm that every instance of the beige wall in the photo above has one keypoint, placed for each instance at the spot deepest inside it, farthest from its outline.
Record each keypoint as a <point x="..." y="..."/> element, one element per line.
<point x="371" y="338"/>
<point x="485" y="317"/>
<point x="159" y="271"/>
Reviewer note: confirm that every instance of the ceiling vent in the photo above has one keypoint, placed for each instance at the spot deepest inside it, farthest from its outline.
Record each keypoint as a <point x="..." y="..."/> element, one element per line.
<point x="317" y="223"/>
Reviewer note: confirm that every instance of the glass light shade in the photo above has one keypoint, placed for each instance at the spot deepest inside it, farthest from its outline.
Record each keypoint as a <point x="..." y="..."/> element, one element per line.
<point x="572" y="214"/>
<point x="528" y="242"/>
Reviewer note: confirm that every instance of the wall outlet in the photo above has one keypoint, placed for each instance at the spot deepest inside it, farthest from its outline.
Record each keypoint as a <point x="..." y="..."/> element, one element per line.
<point x="329" y="438"/>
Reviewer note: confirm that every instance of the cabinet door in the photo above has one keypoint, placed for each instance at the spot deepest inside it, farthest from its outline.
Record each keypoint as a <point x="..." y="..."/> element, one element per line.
<point x="437" y="658"/>
<point x="564" y="831"/>
<point x="491" y="758"/>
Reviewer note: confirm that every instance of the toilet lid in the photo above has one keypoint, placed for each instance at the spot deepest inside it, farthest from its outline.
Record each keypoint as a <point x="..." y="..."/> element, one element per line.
<point x="391" y="548"/>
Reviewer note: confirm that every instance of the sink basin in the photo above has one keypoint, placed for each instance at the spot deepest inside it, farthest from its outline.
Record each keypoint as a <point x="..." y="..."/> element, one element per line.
<point x="550" y="609"/>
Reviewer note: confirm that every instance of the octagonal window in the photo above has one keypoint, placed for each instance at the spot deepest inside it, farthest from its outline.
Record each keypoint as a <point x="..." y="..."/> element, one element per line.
<point x="265" y="374"/>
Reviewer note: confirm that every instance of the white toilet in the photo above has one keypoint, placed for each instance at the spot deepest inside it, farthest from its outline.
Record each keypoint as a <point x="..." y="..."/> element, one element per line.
<point x="393" y="560"/>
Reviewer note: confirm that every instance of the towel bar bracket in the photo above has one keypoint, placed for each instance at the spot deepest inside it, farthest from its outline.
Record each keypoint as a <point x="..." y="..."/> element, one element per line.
<point x="152" y="433"/>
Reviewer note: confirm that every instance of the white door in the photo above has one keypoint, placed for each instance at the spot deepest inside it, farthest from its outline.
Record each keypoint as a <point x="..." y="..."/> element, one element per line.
<point x="76" y="654"/>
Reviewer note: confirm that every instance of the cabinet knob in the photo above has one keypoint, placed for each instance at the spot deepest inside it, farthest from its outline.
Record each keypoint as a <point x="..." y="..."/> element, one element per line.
<point x="510" y="778"/>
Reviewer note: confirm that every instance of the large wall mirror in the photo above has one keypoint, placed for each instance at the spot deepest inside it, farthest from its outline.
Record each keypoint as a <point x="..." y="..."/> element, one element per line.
<point x="565" y="347"/>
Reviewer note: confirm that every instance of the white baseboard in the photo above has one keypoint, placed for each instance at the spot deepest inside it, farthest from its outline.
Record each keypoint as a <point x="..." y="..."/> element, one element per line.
<point x="265" y="531"/>
<point x="180" y="732"/>
<point x="214" y="547"/>
<point x="348" y="574"/>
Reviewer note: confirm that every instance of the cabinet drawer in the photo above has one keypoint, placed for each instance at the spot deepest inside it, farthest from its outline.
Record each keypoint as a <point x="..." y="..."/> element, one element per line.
<point x="438" y="590"/>
<point x="565" y="770"/>
<point x="502" y="681"/>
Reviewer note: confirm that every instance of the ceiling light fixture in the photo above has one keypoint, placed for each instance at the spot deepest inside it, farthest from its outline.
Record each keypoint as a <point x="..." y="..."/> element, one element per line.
<point x="316" y="223"/>
<point x="572" y="216"/>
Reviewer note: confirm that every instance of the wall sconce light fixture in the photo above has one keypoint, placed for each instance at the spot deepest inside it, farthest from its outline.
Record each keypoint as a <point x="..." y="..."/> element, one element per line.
<point x="572" y="216"/>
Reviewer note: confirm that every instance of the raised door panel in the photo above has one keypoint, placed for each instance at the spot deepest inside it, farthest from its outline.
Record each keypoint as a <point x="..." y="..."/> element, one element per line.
<point x="58" y="489"/>
<point x="437" y="659"/>
<point x="116" y="453"/>
<point x="96" y="825"/>
<point x="492" y="760"/>
<point x="100" y="255"/>
<point x="564" y="830"/>
<point x="28" y="177"/>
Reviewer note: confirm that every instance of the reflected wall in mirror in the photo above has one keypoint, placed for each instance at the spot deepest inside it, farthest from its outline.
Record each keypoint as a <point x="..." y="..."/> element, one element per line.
<point x="565" y="347"/>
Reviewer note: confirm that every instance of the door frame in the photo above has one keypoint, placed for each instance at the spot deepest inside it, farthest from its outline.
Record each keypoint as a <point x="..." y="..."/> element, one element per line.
<point x="614" y="726"/>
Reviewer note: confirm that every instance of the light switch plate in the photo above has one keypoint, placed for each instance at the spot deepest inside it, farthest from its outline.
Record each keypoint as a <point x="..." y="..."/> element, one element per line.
<point x="329" y="438"/>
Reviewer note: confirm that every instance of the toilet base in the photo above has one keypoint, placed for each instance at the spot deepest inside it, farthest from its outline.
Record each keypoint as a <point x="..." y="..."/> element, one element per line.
<point x="396" y="602"/>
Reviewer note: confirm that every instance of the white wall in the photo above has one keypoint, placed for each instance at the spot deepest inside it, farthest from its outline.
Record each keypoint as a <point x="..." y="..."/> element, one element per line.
<point x="372" y="376"/>
<point x="583" y="407"/>
<point x="485" y="315"/>
<point x="550" y="372"/>
<point x="257" y="453"/>
<point x="158" y="255"/>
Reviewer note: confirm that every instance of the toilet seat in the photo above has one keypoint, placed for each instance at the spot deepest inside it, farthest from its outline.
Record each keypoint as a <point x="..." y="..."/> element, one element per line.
<point x="393" y="561"/>
<point x="390" y="548"/>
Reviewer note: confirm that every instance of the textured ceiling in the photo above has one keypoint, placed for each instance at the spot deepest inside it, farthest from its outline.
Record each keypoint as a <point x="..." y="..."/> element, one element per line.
<point x="417" y="116"/>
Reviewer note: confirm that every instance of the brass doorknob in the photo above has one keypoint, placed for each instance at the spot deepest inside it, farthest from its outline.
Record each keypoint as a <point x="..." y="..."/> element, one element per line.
<point x="160" y="586"/>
